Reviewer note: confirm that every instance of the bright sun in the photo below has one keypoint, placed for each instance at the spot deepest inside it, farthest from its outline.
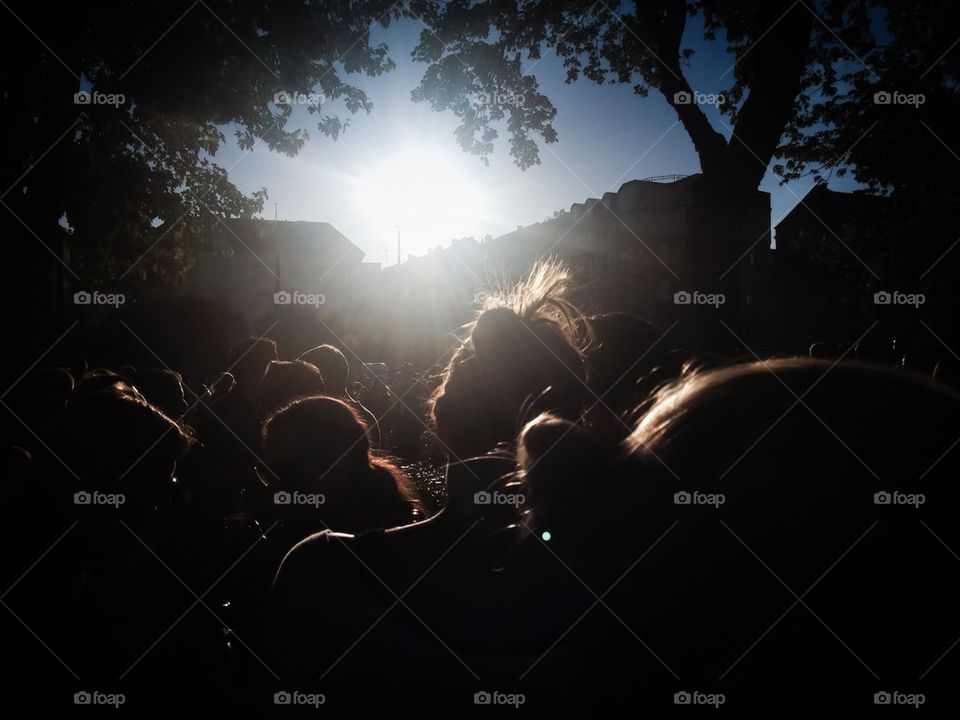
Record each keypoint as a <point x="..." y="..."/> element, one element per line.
<point x="424" y="192"/>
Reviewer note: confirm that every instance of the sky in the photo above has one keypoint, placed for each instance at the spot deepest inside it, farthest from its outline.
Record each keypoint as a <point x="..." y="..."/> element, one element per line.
<point x="400" y="168"/>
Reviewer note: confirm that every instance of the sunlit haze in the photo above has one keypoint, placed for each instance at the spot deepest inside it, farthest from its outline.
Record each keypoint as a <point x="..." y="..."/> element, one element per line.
<point x="421" y="192"/>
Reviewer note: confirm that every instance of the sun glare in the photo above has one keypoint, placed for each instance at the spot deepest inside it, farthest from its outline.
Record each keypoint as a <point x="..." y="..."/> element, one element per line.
<point x="426" y="193"/>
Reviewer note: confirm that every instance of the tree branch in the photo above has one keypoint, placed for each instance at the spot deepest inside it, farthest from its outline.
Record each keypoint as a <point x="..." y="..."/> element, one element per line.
<point x="667" y="20"/>
<point x="774" y="77"/>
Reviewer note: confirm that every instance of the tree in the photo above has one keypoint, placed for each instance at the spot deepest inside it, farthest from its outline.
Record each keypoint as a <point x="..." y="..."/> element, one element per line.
<point x="891" y="123"/>
<point x="126" y="170"/>
<point x="485" y="43"/>
<point x="802" y="80"/>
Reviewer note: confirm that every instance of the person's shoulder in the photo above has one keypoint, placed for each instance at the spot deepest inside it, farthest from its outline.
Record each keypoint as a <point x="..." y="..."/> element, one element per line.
<point x="319" y="544"/>
<point x="327" y="551"/>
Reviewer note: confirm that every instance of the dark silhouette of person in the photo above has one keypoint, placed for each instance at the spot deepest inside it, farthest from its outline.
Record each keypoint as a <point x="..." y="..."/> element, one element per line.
<point x="335" y="370"/>
<point x="163" y="388"/>
<point x="333" y="366"/>
<point x="476" y="607"/>
<point x="229" y="431"/>
<point x="520" y="359"/>
<point x="626" y="355"/>
<point x="103" y="595"/>
<point x="247" y="362"/>
<point x="318" y="447"/>
<point x="850" y="497"/>
<point x="286" y="381"/>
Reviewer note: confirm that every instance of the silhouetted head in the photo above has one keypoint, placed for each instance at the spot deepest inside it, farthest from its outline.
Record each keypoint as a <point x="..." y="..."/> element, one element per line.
<point x="883" y="419"/>
<point x="627" y="356"/>
<point x="248" y="360"/>
<point x="622" y="350"/>
<point x="522" y="356"/>
<point x="163" y="388"/>
<point x="333" y="367"/>
<point x="114" y="441"/>
<point x="313" y="437"/>
<point x="285" y="381"/>
<point x="860" y="474"/>
<point x="318" y="446"/>
<point x="562" y="468"/>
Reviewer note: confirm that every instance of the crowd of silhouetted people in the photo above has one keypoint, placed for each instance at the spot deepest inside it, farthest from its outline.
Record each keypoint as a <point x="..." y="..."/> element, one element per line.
<point x="625" y="526"/>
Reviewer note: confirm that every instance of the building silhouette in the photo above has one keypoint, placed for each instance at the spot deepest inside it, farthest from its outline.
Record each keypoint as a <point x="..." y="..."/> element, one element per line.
<point x="644" y="249"/>
<point x="632" y="250"/>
